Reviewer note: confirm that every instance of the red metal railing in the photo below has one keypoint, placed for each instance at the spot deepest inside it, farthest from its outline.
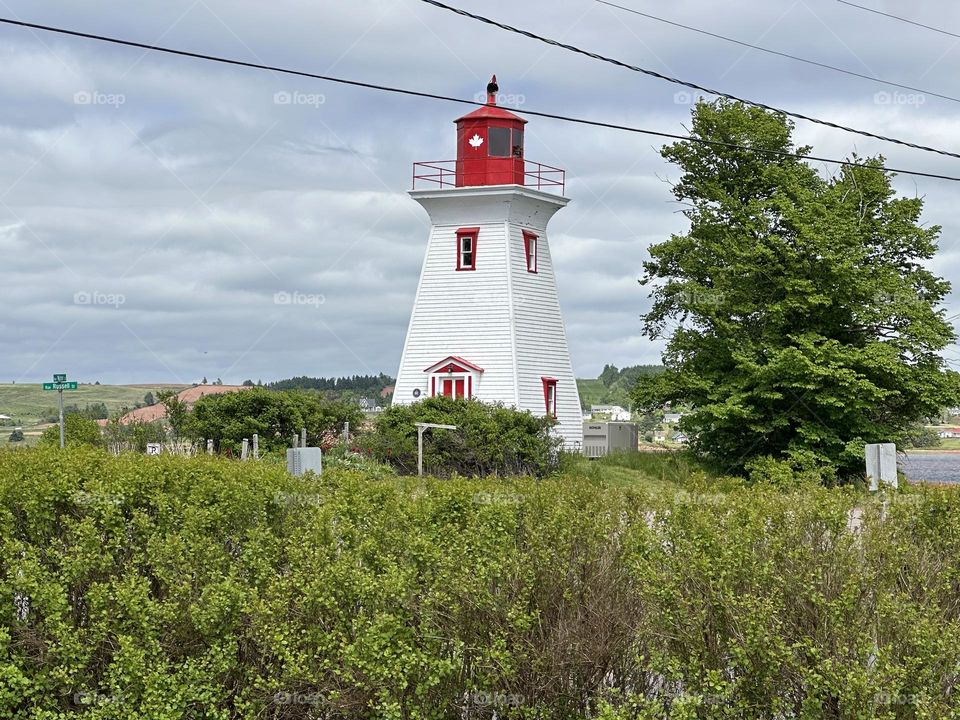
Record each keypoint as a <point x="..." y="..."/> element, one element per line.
<point x="443" y="173"/>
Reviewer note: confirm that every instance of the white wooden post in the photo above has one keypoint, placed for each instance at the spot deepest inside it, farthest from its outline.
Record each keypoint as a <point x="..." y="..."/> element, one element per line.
<point x="256" y="446"/>
<point x="243" y="449"/>
<point x="420" y="428"/>
<point x="209" y="447"/>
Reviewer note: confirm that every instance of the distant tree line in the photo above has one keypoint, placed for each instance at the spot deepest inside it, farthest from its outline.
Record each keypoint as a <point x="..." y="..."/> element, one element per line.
<point x="92" y="411"/>
<point x="361" y="384"/>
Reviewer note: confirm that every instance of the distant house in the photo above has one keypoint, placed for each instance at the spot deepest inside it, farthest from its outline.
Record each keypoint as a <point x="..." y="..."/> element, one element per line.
<point x="614" y="412"/>
<point x="949" y="433"/>
<point x="672" y="418"/>
<point x="369" y="405"/>
<point x="679" y="438"/>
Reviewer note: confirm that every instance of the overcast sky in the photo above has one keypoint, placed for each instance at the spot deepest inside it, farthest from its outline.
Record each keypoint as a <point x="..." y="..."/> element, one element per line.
<point x="152" y="207"/>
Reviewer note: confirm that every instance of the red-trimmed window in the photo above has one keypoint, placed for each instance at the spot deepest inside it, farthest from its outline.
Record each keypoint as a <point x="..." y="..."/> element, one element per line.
<point x="530" y="250"/>
<point x="550" y="395"/>
<point x="467" y="248"/>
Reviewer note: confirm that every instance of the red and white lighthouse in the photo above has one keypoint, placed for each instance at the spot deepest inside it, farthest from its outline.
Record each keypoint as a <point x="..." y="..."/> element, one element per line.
<point x="486" y="321"/>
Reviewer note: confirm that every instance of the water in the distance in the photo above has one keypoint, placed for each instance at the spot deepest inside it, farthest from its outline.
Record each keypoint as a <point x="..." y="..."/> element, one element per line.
<point x="931" y="467"/>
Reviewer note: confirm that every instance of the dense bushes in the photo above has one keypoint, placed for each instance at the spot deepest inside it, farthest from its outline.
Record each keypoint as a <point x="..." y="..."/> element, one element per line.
<point x="77" y="430"/>
<point x="275" y="416"/>
<point x="489" y="439"/>
<point x="168" y="588"/>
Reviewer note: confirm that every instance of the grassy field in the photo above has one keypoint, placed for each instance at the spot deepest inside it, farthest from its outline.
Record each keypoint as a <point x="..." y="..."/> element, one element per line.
<point x="946" y="445"/>
<point x="27" y="404"/>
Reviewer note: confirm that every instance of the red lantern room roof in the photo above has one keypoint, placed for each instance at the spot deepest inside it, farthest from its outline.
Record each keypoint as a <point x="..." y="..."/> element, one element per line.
<point x="490" y="111"/>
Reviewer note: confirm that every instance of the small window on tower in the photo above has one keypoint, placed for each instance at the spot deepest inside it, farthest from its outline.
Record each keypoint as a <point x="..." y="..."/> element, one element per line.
<point x="499" y="139"/>
<point x="467" y="248"/>
<point x="550" y="395"/>
<point x="530" y="250"/>
<point x="517" y="142"/>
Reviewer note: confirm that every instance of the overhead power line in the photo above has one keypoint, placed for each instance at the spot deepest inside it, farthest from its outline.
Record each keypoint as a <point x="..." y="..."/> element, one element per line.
<point x="685" y="83"/>
<point x="461" y="101"/>
<point x="815" y="63"/>
<point x="901" y="19"/>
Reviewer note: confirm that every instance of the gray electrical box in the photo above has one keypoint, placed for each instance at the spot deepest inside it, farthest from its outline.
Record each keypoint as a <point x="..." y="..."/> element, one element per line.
<point x="302" y="459"/>
<point x="603" y="438"/>
<point x="881" y="465"/>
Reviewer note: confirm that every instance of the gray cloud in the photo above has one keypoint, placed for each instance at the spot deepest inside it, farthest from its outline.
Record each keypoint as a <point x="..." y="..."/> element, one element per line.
<point x="197" y="194"/>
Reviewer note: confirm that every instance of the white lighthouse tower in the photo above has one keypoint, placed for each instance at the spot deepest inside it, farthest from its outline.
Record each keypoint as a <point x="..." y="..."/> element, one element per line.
<point x="486" y="320"/>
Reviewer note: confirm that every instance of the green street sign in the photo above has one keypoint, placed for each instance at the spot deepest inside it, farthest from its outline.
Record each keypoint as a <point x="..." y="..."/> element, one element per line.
<point x="59" y="378"/>
<point x="60" y="386"/>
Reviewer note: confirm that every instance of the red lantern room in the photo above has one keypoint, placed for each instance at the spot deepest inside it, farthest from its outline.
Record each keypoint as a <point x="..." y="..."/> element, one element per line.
<point x="489" y="152"/>
<point x="490" y="145"/>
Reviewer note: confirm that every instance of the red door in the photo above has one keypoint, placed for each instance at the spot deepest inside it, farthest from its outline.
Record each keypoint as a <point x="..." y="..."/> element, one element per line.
<point x="452" y="387"/>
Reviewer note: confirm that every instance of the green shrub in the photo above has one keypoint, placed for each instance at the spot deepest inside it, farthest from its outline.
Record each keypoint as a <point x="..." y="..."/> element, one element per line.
<point x="489" y="439"/>
<point x="275" y="416"/>
<point x="170" y="587"/>
<point x="77" y="430"/>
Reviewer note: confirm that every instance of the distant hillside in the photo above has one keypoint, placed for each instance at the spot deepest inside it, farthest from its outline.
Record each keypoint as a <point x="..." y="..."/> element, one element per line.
<point x="29" y="403"/>
<point x="613" y="386"/>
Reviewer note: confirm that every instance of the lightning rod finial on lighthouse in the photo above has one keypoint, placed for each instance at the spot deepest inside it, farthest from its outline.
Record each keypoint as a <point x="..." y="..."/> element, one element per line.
<point x="492" y="89"/>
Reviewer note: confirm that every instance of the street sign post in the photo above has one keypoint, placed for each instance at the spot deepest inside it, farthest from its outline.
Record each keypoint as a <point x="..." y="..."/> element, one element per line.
<point x="60" y="384"/>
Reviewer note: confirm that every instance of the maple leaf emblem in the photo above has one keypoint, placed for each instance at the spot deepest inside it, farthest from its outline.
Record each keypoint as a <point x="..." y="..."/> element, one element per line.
<point x="476" y="141"/>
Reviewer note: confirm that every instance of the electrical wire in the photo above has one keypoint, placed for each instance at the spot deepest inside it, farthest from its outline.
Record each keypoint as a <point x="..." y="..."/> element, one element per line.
<point x="461" y="101"/>
<point x="685" y="83"/>
<point x="789" y="56"/>
<point x="901" y="19"/>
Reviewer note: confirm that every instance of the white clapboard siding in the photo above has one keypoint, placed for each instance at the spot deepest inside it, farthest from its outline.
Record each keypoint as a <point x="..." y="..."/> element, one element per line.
<point x="499" y="316"/>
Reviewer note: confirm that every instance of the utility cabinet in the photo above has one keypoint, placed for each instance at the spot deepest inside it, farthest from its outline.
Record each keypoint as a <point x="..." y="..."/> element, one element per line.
<point x="603" y="438"/>
<point x="302" y="459"/>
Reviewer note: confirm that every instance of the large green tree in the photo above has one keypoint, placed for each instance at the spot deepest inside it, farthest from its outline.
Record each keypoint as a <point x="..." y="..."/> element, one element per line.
<point x="801" y="319"/>
<point x="275" y="416"/>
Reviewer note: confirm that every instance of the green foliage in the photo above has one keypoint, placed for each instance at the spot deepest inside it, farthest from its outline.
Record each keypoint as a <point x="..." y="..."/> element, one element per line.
<point x="134" y="435"/>
<point x="228" y="418"/>
<point x="489" y="439"/>
<point x="921" y="436"/>
<point x="93" y="411"/>
<point x="807" y="322"/>
<point x="614" y="386"/>
<point x="359" y="385"/>
<point x="16" y="436"/>
<point x="148" y="399"/>
<point x="77" y="430"/>
<point x="169" y="588"/>
<point x="176" y="411"/>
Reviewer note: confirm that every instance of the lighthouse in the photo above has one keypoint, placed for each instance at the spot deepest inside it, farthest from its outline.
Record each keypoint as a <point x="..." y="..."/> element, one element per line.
<point x="486" y="320"/>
